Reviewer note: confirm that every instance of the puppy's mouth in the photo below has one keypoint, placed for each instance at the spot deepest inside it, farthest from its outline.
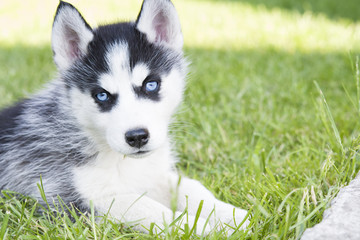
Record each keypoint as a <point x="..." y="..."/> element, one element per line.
<point x="140" y="154"/>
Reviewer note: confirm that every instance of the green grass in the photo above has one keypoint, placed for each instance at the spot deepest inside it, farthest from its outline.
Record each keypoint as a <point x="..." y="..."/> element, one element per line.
<point x="270" y="120"/>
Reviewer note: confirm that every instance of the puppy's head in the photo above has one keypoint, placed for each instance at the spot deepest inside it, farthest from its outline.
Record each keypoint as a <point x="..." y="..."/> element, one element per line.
<point x="124" y="80"/>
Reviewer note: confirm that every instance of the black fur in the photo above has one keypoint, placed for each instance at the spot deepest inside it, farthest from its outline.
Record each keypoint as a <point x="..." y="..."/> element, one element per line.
<point x="8" y="120"/>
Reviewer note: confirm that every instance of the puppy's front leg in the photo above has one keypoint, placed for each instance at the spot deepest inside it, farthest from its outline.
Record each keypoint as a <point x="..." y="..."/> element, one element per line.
<point x="141" y="211"/>
<point x="191" y="192"/>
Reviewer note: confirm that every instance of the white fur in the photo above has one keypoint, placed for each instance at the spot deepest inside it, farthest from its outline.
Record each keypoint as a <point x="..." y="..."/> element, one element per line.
<point x="141" y="188"/>
<point x="139" y="191"/>
<point x="119" y="75"/>
<point x="140" y="72"/>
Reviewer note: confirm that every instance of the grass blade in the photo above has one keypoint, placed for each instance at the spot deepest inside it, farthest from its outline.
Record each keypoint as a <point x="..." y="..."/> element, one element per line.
<point x="331" y="119"/>
<point x="4" y="225"/>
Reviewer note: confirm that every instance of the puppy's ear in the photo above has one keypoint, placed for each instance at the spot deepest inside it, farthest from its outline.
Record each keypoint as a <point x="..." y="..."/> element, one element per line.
<point x="70" y="35"/>
<point x="158" y="19"/>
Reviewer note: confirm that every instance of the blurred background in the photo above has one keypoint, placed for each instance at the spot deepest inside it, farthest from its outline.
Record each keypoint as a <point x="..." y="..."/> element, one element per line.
<point x="232" y="23"/>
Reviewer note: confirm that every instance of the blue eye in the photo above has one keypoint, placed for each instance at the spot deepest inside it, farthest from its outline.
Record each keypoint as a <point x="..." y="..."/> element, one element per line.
<point x="102" y="97"/>
<point x="151" y="86"/>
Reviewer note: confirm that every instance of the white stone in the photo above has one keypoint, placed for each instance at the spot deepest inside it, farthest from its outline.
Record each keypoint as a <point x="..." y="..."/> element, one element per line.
<point x="342" y="219"/>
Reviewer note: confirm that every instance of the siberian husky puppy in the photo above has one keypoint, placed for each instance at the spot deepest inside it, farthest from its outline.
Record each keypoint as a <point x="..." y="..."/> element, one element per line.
<point x="99" y="132"/>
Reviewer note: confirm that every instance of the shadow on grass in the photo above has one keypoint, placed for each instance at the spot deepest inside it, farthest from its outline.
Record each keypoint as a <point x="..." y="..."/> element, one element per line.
<point x="333" y="9"/>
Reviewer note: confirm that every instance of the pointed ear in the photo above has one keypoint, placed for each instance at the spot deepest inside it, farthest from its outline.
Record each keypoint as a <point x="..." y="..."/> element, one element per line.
<point x="70" y="35"/>
<point x="158" y="19"/>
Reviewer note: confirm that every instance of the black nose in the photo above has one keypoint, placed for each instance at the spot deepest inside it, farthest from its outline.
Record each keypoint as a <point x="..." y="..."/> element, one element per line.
<point x="137" y="138"/>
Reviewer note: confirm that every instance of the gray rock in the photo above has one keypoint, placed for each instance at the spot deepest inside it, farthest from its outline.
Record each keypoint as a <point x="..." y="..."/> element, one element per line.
<point x="342" y="219"/>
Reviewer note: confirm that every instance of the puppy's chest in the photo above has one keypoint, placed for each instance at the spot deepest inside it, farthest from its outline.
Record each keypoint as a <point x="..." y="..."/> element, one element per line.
<point x="111" y="175"/>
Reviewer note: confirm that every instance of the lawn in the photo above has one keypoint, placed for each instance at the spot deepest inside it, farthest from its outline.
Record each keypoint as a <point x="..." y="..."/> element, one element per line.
<point x="270" y="118"/>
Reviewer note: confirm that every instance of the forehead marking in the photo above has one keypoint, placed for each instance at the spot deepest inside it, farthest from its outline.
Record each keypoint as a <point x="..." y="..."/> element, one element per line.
<point x="117" y="58"/>
<point x="139" y="73"/>
<point x="120" y="74"/>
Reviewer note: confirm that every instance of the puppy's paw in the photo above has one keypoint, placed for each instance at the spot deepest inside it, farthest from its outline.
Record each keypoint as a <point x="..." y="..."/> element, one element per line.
<point x="230" y="218"/>
<point x="201" y="226"/>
